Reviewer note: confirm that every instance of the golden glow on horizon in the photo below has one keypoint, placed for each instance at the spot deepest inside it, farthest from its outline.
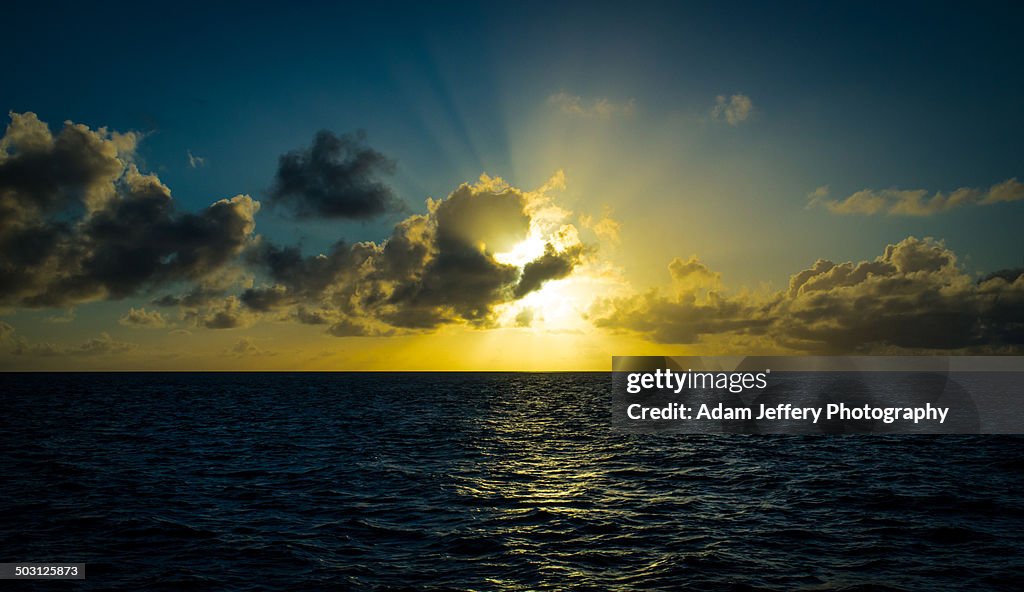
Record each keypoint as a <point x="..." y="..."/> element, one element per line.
<point x="546" y="329"/>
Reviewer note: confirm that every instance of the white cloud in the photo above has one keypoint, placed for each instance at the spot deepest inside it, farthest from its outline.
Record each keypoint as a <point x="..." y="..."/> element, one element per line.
<point x="194" y="161"/>
<point x="734" y="110"/>
<point x="599" y="108"/>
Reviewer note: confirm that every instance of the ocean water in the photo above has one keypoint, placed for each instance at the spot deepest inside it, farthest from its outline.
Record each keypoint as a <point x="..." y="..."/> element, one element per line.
<point x="476" y="482"/>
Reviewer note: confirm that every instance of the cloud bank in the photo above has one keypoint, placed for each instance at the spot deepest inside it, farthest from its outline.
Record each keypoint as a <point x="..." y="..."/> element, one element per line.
<point x="79" y="222"/>
<point x="912" y="297"/>
<point x="916" y="202"/>
<point x="101" y="345"/>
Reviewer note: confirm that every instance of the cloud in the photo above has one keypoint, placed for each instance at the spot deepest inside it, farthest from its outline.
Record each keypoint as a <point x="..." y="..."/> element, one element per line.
<point x="916" y="202"/>
<point x="552" y="265"/>
<point x="246" y="346"/>
<point x="734" y="110"/>
<point x="211" y="288"/>
<point x="104" y="344"/>
<point x="606" y="228"/>
<point x="1008" y="275"/>
<point x="79" y="222"/>
<point x="194" y="161"/>
<point x="67" y="317"/>
<point x="599" y="108"/>
<point x="41" y="174"/>
<point x="446" y="266"/>
<point x="913" y="297"/>
<point x="210" y="304"/>
<point x="692" y="275"/>
<point x="348" y="327"/>
<point x="229" y="313"/>
<point x="142" y="318"/>
<point x="525" y="317"/>
<point x="336" y="177"/>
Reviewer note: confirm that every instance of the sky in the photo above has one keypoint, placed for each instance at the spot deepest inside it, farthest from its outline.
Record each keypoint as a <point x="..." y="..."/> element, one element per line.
<point x="493" y="186"/>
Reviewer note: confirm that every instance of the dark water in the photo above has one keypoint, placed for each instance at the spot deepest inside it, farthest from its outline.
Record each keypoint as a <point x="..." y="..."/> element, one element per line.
<point x="476" y="482"/>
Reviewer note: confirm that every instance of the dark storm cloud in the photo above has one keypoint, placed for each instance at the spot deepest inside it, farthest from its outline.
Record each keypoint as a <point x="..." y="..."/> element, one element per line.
<point x="912" y="297"/>
<point x="434" y="269"/>
<point x="336" y="177"/>
<point x="81" y="223"/>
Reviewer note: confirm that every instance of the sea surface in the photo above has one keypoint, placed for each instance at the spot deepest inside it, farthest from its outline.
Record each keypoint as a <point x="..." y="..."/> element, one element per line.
<point x="476" y="482"/>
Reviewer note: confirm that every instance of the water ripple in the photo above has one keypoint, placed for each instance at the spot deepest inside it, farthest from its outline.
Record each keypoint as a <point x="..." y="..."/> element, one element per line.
<point x="477" y="482"/>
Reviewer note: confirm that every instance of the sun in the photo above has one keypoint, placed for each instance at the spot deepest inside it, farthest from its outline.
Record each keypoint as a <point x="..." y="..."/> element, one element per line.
<point x="523" y="252"/>
<point x="558" y="305"/>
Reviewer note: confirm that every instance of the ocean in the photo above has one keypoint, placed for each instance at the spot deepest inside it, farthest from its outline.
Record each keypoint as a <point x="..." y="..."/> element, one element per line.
<point x="476" y="481"/>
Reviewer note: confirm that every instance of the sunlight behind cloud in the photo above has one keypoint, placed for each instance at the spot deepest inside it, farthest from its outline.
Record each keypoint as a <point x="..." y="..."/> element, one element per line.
<point x="523" y="252"/>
